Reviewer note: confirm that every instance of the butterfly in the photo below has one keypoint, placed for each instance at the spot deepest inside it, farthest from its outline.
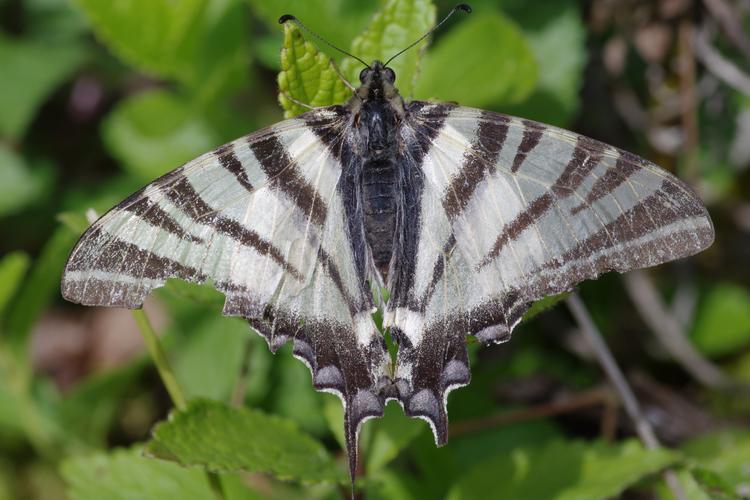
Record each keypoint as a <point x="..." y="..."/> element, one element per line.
<point x="464" y="216"/>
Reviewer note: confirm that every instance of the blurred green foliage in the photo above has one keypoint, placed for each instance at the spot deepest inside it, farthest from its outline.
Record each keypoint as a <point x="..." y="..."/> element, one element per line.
<point x="98" y="98"/>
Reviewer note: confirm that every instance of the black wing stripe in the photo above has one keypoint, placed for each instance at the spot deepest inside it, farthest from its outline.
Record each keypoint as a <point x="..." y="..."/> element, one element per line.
<point x="182" y="194"/>
<point x="228" y="159"/>
<point x="585" y="158"/>
<point x="157" y="217"/>
<point x="532" y="134"/>
<point x="478" y="162"/>
<point x="283" y="174"/>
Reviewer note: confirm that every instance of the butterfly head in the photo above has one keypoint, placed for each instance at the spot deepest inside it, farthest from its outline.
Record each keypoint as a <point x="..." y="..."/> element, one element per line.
<point x="377" y="82"/>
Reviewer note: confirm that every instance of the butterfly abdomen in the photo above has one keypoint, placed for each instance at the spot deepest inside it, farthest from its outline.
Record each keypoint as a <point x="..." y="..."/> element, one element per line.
<point x="379" y="197"/>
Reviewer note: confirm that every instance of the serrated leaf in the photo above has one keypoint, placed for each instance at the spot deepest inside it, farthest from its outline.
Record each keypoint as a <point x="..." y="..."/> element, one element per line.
<point x="127" y="475"/>
<point x="31" y="70"/>
<point x="394" y="27"/>
<point x="220" y="438"/>
<point x="570" y="470"/>
<point x="306" y="75"/>
<point x="154" y="132"/>
<point x="13" y="267"/>
<point x="20" y="185"/>
<point x="544" y="304"/>
<point x="201" y="43"/>
<point x="483" y="61"/>
<point x="726" y="453"/>
<point x="722" y="324"/>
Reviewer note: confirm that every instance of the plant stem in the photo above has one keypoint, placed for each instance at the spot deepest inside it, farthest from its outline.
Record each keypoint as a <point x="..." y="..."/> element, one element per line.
<point x="168" y="378"/>
<point x="159" y="357"/>
<point x="615" y="375"/>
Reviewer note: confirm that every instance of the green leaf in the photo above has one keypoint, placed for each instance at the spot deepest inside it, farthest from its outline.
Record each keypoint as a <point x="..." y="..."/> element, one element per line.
<point x="127" y="475"/>
<point x="221" y="439"/>
<point x="394" y="27"/>
<point x="13" y="267"/>
<point x="31" y="71"/>
<point x="557" y="37"/>
<point x="154" y="132"/>
<point x="218" y="338"/>
<point x="568" y="470"/>
<point x="390" y="435"/>
<point x="722" y="324"/>
<point x="544" y="304"/>
<point x="20" y="186"/>
<point x="200" y="43"/>
<point x="726" y="453"/>
<point x="306" y="75"/>
<point x="483" y="61"/>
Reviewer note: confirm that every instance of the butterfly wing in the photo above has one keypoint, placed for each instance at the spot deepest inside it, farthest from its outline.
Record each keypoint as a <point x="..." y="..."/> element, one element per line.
<point x="511" y="211"/>
<point x="263" y="219"/>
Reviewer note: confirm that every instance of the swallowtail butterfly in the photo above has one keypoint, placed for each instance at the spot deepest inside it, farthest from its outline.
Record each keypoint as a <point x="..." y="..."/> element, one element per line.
<point x="465" y="216"/>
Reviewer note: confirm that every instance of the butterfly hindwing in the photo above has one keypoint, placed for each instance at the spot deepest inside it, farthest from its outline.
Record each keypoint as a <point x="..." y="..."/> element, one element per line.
<point x="263" y="219"/>
<point x="511" y="211"/>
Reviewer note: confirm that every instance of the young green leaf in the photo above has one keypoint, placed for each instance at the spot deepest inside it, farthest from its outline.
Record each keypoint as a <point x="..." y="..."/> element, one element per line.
<point x="126" y="474"/>
<point x="31" y="70"/>
<point x="200" y="43"/>
<point x="394" y="27"/>
<point x="306" y="75"/>
<point x="483" y="61"/>
<point x="154" y="132"/>
<point x="221" y="438"/>
<point x="564" y="471"/>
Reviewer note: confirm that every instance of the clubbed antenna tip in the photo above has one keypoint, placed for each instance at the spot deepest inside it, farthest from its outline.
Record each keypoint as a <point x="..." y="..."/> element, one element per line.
<point x="464" y="7"/>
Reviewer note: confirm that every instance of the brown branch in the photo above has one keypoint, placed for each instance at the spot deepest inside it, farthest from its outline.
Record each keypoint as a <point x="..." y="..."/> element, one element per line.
<point x="730" y="23"/>
<point x="632" y="407"/>
<point x="586" y="399"/>
<point x="688" y="98"/>
<point x="724" y="69"/>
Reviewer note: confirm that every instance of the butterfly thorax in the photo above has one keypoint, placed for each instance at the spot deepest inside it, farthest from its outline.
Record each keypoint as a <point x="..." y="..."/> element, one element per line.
<point x="377" y="112"/>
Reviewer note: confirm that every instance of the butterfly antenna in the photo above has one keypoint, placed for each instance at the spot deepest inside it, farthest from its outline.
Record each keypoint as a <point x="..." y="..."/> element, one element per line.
<point x="289" y="17"/>
<point x="462" y="7"/>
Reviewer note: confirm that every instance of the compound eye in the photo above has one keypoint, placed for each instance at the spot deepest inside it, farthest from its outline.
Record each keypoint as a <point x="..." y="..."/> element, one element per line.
<point x="363" y="74"/>
<point x="390" y="75"/>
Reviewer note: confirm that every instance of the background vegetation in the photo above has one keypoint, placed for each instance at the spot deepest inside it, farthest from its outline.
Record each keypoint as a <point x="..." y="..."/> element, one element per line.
<point x="97" y="98"/>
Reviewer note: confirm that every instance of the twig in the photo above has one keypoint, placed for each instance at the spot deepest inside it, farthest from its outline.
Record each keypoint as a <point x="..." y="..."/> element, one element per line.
<point x="688" y="98"/>
<point x="724" y="69"/>
<point x="729" y="21"/>
<point x="587" y="399"/>
<point x="159" y="357"/>
<point x="669" y="331"/>
<point x="615" y="375"/>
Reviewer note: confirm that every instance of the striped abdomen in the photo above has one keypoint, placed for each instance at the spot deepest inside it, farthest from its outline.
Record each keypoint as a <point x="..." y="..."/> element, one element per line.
<point x="380" y="203"/>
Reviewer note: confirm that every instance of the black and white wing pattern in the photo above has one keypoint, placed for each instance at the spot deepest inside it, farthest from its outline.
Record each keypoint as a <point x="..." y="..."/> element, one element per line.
<point x="507" y="211"/>
<point x="262" y="218"/>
